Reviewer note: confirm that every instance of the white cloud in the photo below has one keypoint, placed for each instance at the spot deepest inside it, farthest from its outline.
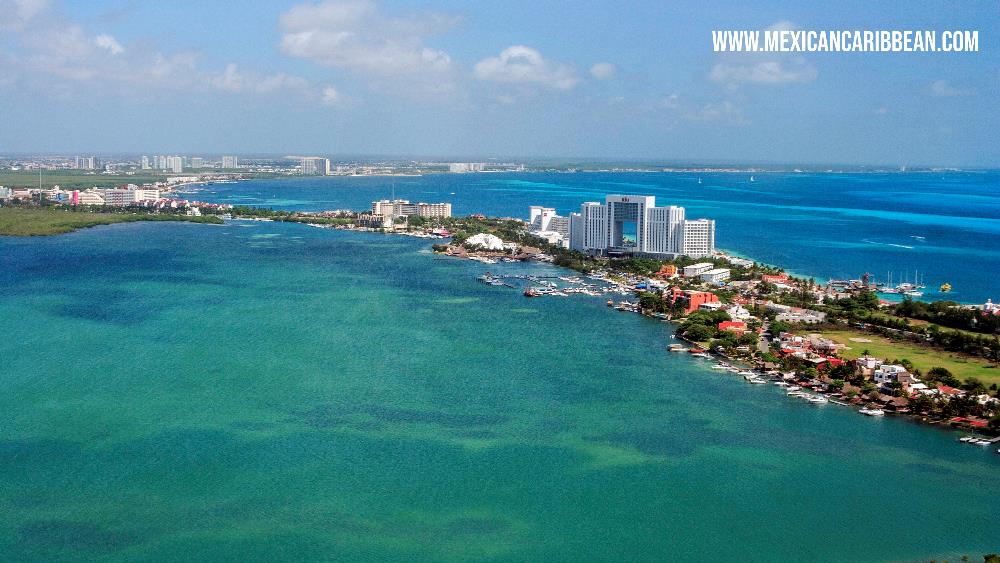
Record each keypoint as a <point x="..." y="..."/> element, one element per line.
<point x="353" y="34"/>
<point x="942" y="89"/>
<point x="725" y="111"/>
<point x="524" y="65"/>
<point x="55" y="54"/>
<point x="233" y="80"/>
<point x="764" y="72"/>
<point x="109" y="43"/>
<point x="330" y="96"/>
<point x="763" y="68"/>
<point x="15" y="14"/>
<point x="603" y="71"/>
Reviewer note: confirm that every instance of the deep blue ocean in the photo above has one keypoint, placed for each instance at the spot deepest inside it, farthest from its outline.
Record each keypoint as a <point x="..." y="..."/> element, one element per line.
<point x="940" y="226"/>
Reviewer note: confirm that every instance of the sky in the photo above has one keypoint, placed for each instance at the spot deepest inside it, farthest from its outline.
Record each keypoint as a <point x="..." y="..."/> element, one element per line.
<point x="449" y="78"/>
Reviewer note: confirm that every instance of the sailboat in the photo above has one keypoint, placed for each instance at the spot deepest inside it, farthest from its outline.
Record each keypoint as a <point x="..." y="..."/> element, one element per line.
<point x="751" y="179"/>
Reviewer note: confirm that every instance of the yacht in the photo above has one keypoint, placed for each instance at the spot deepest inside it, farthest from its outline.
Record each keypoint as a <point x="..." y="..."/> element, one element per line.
<point x="871" y="412"/>
<point x="818" y="399"/>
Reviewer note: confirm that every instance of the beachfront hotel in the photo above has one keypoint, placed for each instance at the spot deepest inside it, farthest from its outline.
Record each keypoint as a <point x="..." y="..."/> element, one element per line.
<point x="605" y="229"/>
<point x="385" y="211"/>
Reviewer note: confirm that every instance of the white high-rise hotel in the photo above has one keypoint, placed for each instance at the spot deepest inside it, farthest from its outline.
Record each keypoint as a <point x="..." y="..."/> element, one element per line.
<point x="601" y="228"/>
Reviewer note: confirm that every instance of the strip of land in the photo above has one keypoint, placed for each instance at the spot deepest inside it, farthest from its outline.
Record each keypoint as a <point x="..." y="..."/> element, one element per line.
<point x="41" y="221"/>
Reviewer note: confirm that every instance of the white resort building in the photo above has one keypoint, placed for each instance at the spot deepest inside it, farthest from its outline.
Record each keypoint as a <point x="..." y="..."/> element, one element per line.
<point x="632" y="224"/>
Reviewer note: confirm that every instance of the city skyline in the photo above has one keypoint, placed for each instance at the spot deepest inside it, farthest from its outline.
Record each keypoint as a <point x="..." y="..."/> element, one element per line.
<point x="442" y="79"/>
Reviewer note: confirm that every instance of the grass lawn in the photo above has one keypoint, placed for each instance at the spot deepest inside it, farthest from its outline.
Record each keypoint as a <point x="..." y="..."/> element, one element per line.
<point x="47" y="221"/>
<point x="923" y="357"/>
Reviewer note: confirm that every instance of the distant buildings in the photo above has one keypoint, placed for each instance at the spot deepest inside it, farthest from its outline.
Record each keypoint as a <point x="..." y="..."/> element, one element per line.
<point x="230" y="162"/>
<point x="466" y="167"/>
<point x="628" y="224"/>
<point x="175" y="164"/>
<point x="197" y="162"/>
<point x="315" y="165"/>
<point x="385" y="211"/>
<point x="87" y="197"/>
<point x="145" y="162"/>
<point x="128" y="196"/>
<point x="88" y="163"/>
<point x="403" y="208"/>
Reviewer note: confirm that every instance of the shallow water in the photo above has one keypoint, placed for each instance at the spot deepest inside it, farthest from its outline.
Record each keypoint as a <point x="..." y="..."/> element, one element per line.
<point x="175" y="391"/>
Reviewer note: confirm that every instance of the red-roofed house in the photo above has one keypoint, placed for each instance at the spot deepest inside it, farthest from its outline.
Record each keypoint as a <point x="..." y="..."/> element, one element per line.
<point x="950" y="391"/>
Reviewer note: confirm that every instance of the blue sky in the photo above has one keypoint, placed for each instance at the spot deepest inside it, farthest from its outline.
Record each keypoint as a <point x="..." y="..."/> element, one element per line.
<point x="483" y="79"/>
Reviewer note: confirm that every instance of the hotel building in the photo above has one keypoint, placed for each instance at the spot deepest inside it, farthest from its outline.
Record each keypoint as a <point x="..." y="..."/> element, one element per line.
<point x="315" y="165"/>
<point x="629" y="224"/>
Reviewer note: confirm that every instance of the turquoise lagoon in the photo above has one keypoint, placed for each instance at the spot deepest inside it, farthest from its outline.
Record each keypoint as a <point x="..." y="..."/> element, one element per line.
<point x="274" y="391"/>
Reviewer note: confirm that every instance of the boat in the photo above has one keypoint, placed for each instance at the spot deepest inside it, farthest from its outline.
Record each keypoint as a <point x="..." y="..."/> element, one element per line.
<point x="983" y="443"/>
<point x="700" y="354"/>
<point x="967" y="439"/>
<point x="757" y="381"/>
<point x="913" y="293"/>
<point x="531" y="292"/>
<point x="945" y="287"/>
<point x="871" y="412"/>
<point x="794" y="388"/>
<point x="818" y="399"/>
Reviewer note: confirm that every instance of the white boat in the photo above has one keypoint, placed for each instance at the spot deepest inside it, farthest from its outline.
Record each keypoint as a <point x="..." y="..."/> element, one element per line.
<point x="983" y="443"/>
<point x="794" y="388"/>
<point x="871" y="412"/>
<point x="967" y="439"/>
<point x="757" y="381"/>
<point x="718" y="367"/>
<point x="781" y="384"/>
<point x="818" y="399"/>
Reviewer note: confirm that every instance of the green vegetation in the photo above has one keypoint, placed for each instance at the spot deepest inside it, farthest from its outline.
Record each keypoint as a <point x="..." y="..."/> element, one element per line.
<point x="922" y="357"/>
<point x="40" y="221"/>
<point x="75" y="179"/>
<point x="948" y="314"/>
